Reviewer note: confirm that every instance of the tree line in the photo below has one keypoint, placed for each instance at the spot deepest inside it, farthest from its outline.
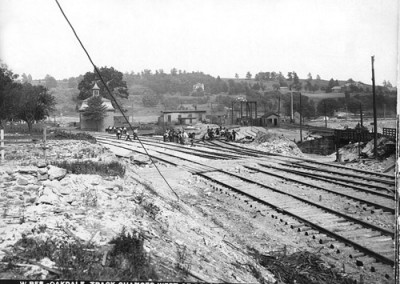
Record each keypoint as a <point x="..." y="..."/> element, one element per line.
<point x="21" y="100"/>
<point x="177" y="81"/>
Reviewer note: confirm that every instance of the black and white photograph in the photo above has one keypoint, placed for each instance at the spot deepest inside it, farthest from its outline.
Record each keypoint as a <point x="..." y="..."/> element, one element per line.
<point x="201" y="141"/>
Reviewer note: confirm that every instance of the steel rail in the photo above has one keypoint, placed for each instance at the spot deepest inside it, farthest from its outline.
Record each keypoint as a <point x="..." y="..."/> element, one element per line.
<point x="344" y="174"/>
<point x="166" y="154"/>
<point x="158" y="158"/>
<point x="315" y="162"/>
<point x="208" y="153"/>
<point x="354" y="170"/>
<point x="378" y="187"/>
<point x="379" y="257"/>
<point x="185" y="152"/>
<point x="357" y="246"/>
<point x="247" y="152"/>
<point x="224" y="156"/>
<point x="385" y="208"/>
<point x="329" y="180"/>
<point x="332" y="211"/>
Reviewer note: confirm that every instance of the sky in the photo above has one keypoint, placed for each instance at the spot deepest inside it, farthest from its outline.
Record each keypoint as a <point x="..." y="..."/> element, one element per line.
<point x="330" y="38"/>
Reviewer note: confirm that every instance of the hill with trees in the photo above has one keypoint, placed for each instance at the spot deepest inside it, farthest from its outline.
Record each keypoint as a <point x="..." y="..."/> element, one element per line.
<point x="148" y="92"/>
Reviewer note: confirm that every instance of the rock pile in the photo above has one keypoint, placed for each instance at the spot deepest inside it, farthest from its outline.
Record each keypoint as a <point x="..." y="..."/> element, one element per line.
<point x="276" y="144"/>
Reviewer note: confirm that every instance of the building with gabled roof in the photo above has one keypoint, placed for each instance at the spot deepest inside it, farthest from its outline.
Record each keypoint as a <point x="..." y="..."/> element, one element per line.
<point x="108" y="120"/>
<point x="186" y="117"/>
<point x="270" y="119"/>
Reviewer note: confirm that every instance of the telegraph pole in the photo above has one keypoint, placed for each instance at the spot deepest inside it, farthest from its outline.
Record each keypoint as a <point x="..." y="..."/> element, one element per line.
<point x="374" y="105"/>
<point x="361" y="115"/>
<point x="232" y="113"/>
<point x="325" y="118"/>
<point x="279" y="105"/>
<point x="301" y="123"/>
<point x="291" y="107"/>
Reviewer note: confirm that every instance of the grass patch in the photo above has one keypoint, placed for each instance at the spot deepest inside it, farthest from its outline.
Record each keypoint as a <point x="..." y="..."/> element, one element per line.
<point x="91" y="168"/>
<point x="63" y="135"/>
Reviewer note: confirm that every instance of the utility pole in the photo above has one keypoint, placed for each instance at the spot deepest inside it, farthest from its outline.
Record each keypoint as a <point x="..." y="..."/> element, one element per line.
<point x="279" y="105"/>
<point x="374" y="105"/>
<point x="291" y="107"/>
<point x="361" y="115"/>
<point x="301" y="123"/>
<point x="325" y="118"/>
<point x="241" y="111"/>
<point x="255" y="112"/>
<point x="232" y="113"/>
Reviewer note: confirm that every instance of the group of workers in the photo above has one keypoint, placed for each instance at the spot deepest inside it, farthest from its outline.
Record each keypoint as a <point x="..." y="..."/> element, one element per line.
<point x="178" y="136"/>
<point x="183" y="137"/>
<point x="123" y="131"/>
<point x="219" y="132"/>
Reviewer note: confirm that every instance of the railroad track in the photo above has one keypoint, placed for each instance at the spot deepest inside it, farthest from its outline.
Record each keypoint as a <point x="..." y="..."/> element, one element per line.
<point x="367" y="244"/>
<point x="337" y="167"/>
<point x="362" y="181"/>
<point x="205" y="152"/>
<point x="338" y="173"/>
<point x="373" y="190"/>
<point x="385" y="202"/>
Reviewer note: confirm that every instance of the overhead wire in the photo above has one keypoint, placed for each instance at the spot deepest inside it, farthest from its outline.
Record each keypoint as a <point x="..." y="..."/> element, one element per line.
<point x="112" y="96"/>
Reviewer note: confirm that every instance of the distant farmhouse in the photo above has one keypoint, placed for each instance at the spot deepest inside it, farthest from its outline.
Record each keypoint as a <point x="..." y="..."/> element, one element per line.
<point x="198" y="87"/>
<point x="336" y="89"/>
<point x="87" y="124"/>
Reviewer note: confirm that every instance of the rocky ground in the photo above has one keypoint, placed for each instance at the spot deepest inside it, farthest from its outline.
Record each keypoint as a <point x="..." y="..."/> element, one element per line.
<point x="57" y="223"/>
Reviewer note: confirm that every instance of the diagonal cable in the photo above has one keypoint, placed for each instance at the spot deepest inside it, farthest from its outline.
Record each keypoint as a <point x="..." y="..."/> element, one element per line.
<point x="112" y="96"/>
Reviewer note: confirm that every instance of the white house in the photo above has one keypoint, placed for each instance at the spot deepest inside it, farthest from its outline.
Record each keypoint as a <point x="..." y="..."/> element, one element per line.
<point x="336" y="89"/>
<point x="108" y="120"/>
<point x="198" y="86"/>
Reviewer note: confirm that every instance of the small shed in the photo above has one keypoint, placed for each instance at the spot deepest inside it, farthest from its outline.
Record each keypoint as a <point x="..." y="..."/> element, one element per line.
<point x="270" y="119"/>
